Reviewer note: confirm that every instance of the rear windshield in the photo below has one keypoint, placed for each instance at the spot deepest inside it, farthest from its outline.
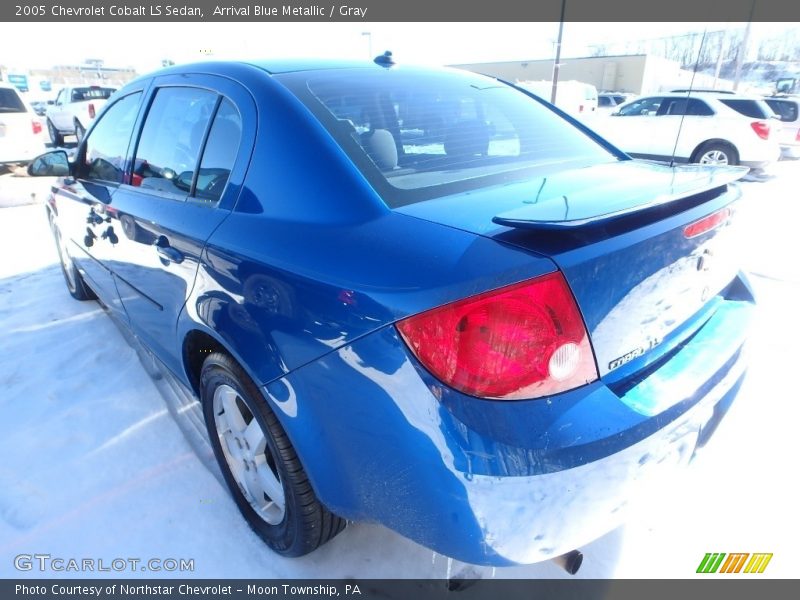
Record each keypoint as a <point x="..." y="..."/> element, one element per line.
<point x="91" y="93"/>
<point x="749" y="108"/>
<point x="421" y="134"/>
<point x="10" y="102"/>
<point x="785" y="109"/>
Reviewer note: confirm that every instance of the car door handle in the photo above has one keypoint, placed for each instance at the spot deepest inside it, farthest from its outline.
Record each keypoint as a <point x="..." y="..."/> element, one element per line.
<point x="167" y="252"/>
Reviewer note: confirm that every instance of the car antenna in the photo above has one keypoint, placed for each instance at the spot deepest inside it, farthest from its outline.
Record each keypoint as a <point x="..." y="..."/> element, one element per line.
<point x="385" y="59"/>
<point x="688" y="95"/>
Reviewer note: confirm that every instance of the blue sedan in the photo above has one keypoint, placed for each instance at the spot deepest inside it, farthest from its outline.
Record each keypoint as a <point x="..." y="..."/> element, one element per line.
<point x="418" y="297"/>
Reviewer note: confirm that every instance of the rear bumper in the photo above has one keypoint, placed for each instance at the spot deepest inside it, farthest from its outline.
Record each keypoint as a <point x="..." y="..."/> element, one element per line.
<point x="762" y="157"/>
<point x="791" y="151"/>
<point x="502" y="483"/>
<point x="21" y="152"/>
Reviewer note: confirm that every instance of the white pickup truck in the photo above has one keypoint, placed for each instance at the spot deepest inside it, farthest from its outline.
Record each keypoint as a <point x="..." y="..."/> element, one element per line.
<point x="73" y="110"/>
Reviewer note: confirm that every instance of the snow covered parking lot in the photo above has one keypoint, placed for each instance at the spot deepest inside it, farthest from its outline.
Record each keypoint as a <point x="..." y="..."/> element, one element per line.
<point x="96" y="465"/>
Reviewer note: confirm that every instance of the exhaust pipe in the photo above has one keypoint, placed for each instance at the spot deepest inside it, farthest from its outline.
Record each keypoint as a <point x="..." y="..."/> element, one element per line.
<point x="570" y="562"/>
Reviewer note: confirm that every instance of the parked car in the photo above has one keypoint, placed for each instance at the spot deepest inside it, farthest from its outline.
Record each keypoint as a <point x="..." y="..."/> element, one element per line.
<point x="21" y="137"/>
<point x="788" y="110"/>
<point x="608" y="101"/>
<point x="574" y="97"/>
<point x="415" y="297"/>
<point x="699" y="127"/>
<point x="74" y="109"/>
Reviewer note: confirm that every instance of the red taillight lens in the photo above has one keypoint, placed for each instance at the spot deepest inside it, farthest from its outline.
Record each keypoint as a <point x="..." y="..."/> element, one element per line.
<point x="36" y="126"/>
<point x="708" y="223"/>
<point x="797" y="137"/>
<point x="91" y="111"/>
<point x="761" y="129"/>
<point x="522" y="341"/>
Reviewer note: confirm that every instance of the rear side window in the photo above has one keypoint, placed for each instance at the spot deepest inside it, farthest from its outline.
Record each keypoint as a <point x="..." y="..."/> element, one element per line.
<point x="171" y="139"/>
<point x="748" y="108"/>
<point x="10" y="102"/>
<point x="686" y="106"/>
<point x="219" y="153"/>
<point x="91" y="93"/>
<point x="106" y="147"/>
<point x="418" y="135"/>
<point x="785" y="109"/>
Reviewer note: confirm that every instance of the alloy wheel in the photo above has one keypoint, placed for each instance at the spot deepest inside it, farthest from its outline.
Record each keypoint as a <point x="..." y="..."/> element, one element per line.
<point x="244" y="445"/>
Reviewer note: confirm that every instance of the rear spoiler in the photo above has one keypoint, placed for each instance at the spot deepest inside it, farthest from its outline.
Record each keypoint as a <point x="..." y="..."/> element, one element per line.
<point x="530" y="216"/>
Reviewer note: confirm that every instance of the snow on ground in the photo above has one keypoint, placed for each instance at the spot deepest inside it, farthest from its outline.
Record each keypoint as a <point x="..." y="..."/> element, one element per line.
<point x="95" y="466"/>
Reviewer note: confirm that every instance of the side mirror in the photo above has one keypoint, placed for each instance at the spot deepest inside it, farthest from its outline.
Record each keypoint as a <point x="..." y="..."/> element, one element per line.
<point x="51" y="102"/>
<point x="50" y="164"/>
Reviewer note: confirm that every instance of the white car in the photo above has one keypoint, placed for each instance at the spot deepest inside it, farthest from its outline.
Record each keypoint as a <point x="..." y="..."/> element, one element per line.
<point x="788" y="109"/>
<point x="74" y="109"/>
<point x="699" y="127"/>
<point x="21" y="132"/>
<point x="573" y="97"/>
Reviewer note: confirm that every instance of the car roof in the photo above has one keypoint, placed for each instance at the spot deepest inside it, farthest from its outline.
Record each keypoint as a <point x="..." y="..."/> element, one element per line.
<point x="705" y="95"/>
<point x="294" y="65"/>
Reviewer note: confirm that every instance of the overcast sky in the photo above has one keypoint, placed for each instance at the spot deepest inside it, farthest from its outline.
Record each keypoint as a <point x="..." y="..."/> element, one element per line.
<point x="144" y="45"/>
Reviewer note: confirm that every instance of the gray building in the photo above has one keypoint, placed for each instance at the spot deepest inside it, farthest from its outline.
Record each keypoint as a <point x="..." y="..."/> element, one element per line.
<point x="635" y="73"/>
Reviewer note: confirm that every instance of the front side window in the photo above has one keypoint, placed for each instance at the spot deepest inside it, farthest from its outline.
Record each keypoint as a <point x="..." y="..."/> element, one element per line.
<point x="642" y="107"/>
<point x="107" y="145"/>
<point x="418" y="135"/>
<point x="219" y="153"/>
<point x="171" y="139"/>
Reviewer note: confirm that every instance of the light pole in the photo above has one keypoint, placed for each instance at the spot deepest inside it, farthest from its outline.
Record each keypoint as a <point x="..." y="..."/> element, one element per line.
<point x="369" y="42"/>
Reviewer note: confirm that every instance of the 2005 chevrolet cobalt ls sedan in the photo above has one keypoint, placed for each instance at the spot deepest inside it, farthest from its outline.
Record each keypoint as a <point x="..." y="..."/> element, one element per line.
<point x="417" y="297"/>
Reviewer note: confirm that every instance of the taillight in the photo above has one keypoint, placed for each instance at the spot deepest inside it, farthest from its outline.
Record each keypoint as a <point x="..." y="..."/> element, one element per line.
<point x="707" y="223"/>
<point x="522" y="341"/>
<point x="761" y="129"/>
<point x="91" y="111"/>
<point x="36" y="126"/>
<point x="797" y="137"/>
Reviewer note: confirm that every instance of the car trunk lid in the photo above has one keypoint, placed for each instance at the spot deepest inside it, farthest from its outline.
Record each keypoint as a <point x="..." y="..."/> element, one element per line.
<point x="634" y="240"/>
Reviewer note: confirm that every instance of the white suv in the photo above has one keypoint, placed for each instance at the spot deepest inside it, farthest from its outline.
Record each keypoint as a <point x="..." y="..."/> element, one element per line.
<point x="699" y="127"/>
<point x="21" y="135"/>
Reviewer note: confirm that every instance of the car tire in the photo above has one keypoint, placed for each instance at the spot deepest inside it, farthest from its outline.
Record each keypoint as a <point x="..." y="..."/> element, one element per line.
<point x="76" y="286"/>
<point x="716" y="153"/>
<point x="80" y="131"/>
<point x="55" y="135"/>
<point x="259" y="463"/>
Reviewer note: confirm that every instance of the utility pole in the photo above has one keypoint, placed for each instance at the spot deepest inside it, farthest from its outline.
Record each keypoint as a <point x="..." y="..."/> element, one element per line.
<point x="718" y="67"/>
<point x="557" y="63"/>
<point x="368" y="35"/>
<point x="741" y="54"/>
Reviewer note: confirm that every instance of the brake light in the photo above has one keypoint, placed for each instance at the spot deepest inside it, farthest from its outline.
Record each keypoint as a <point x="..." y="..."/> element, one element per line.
<point x="797" y="137"/>
<point x="36" y="126"/>
<point x="522" y="341"/>
<point x="91" y="110"/>
<point x="707" y="223"/>
<point x="761" y="129"/>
